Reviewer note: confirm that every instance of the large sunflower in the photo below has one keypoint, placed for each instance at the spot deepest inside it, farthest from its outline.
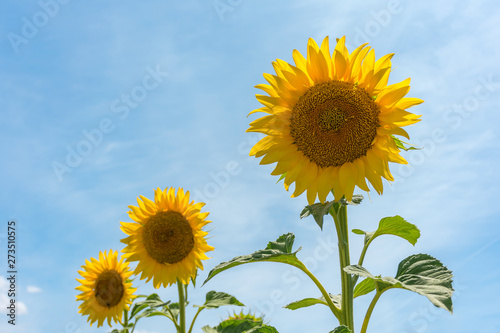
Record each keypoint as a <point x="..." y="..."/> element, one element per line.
<point x="106" y="290"/>
<point x="166" y="238"/>
<point x="331" y="120"/>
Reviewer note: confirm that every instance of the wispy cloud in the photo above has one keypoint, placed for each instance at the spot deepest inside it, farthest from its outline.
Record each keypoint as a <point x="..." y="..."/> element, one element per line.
<point x="33" y="289"/>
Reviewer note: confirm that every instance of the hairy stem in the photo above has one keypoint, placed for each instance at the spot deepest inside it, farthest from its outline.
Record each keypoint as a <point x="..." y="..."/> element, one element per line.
<point x="182" y="308"/>
<point x="340" y="217"/>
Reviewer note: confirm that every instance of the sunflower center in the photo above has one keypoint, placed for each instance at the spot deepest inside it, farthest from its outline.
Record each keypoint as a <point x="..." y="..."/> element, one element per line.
<point x="168" y="237"/>
<point x="109" y="288"/>
<point x="334" y="123"/>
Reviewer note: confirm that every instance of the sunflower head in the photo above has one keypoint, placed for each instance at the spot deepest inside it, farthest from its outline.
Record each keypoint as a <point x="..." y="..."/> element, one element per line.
<point x="106" y="288"/>
<point x="331" y="119"/>
<point x="166" y="237"/>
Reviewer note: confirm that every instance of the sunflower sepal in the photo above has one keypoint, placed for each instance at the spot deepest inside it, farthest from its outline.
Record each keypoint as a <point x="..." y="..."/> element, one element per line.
<point x="406" y="146"/>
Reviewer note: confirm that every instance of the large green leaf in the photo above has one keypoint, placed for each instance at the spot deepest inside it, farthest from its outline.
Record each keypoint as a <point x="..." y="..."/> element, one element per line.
<point x="395" y="225"/>
<point x="419" y="273"/>
<point x="341" y="329"/>
<point x="278" y="251"/>
<point x="215" y="299"/>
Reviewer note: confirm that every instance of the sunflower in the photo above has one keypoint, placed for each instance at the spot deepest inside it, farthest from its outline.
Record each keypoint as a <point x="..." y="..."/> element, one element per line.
<point x="106" y="290"/>
<point x="331" y="120"/>
<point x="166" y="238"/>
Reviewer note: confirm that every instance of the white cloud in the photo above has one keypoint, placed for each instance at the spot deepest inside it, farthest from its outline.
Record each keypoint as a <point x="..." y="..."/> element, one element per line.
<point x="33" y="289"/>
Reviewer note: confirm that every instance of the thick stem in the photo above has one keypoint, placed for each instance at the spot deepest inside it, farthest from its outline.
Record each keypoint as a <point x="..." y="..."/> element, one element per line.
<point x="347" y="283"/>
<point x="369" y="312"/>
<point x="182" y="308"/>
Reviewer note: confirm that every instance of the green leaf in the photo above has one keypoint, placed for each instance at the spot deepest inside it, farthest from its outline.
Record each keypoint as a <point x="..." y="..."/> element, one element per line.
<point x="174" y="308"/>
<point x="208" y="329"/>
<point x="419" y="273"/>
<point x="153" y="312"/>
<point x="138" y="307"/>
<point x="364" y="287"/>
<point x="154" y="301"/>
<point x="284" y="243"/>
<point x="318" y="211"/>
<point x="341" y="329"/>
<point x="395" y="225"/>
<point x="305" y="303"/>
<point x="215" y="299"/>
<point x="240" y="326"/>
<point x="401" y="144"/>
<point x="278" y="251"/>
<point x="263" y="329"/>
<point x="336" y="300"/>
<point x="356" y="200"/>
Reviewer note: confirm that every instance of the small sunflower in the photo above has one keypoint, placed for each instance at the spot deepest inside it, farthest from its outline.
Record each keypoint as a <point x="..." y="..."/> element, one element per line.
<point x="166" y="238"/>
<point x="331" y="120"/>
<point x="106" y="290"/>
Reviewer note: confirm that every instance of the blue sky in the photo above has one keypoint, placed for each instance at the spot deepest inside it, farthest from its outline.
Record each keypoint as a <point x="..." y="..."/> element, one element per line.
<point x="156" y="94"/>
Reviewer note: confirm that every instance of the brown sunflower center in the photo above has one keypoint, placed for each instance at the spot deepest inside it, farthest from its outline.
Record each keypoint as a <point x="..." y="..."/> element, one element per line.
<point x="109" y="288"/>
<point x="168" y="237"/>
<point x="334" y="123"/>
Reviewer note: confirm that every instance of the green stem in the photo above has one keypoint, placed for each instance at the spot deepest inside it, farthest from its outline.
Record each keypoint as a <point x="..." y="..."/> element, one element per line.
<point x="173" y="318"/>
<point x="325" y="294"/>
<point x="182" y="308"/>
<point x="340" y="218"/>
<point x="369" y="311"/>
<point x="194" y="319"/>
<point x="133" y="328"/>
<point x="125" y="320"/>
<point x="360" y="262"/>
